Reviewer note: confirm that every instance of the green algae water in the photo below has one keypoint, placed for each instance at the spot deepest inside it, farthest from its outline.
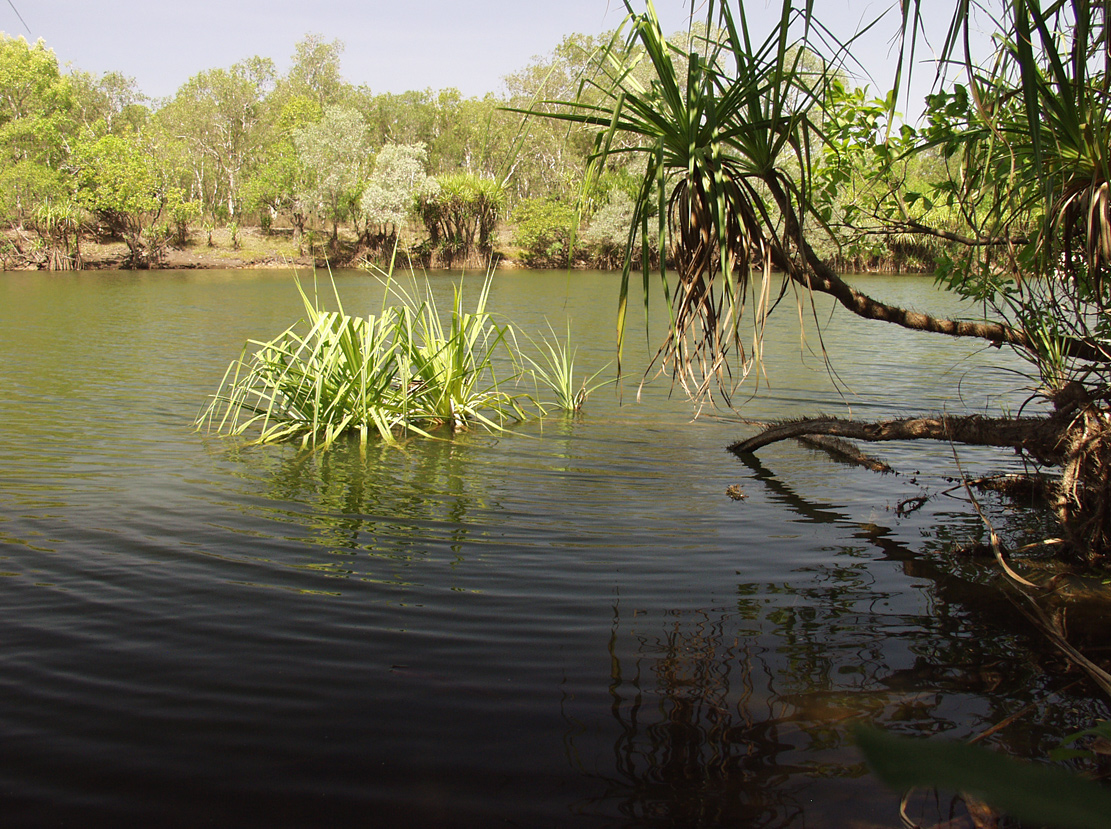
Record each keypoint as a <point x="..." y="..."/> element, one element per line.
<point x="566" y="624"/>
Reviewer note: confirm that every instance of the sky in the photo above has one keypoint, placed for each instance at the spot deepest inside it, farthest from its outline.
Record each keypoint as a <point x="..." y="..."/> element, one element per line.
<point x="390" y="46"/>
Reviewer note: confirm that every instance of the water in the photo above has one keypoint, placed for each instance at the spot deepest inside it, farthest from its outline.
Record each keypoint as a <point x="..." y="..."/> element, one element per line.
<point x="567" y="625"/>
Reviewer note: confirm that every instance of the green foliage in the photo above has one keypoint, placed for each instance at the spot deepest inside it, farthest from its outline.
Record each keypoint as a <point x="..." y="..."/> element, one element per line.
<point x="721" y="128"/>
<point x="556" y="369"/>
<point x="181" y="214"/>
<point x="36" y="104"/>
<point x="544" y="231"/>
<point x="461" y="217"/>
<point x="112" y="98"/>
<point x="1067" y="751"/>
<point x="449" y="371"/>
<point x="218" y="115"/>
<point x="281" y="183"/>
<point x="336" y="155"/>
<point x="117" y="183"/>
<point x="1040" y="795"/>
<point x="1021" y="157"/>
<point x="25" y="185"/>
<point x="397" y="372"/>
<point x="58" y="224"/>
<point x="315" y="73"/>
<point x="606" y="239"/>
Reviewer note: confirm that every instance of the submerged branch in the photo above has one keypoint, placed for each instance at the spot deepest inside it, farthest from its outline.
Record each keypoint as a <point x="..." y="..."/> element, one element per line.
<point x="1041" y="437"/>
<point x="838" y="449"/>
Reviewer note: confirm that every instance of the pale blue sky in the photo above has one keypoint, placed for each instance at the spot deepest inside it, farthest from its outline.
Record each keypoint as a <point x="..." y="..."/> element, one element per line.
<point x="390" y="46"/>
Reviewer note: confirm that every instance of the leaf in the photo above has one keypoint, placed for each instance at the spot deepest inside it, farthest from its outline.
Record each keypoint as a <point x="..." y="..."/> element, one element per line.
<point x="1037" y="794"/>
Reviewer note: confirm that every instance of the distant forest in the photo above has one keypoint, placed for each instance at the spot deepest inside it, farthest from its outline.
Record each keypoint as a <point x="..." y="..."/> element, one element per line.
<point x="335" y="169"/>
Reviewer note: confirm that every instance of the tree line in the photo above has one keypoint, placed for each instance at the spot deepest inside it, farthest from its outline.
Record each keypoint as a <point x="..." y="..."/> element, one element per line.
<point x="347" y="172"/>
<point x="305" y="151"/>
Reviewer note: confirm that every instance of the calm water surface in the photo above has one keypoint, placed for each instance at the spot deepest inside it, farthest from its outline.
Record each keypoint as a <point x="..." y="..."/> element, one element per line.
<point x="568" y="625"/>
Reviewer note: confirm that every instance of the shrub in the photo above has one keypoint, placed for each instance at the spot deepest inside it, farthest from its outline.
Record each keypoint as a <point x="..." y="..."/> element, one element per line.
<point x="544" y="230"/>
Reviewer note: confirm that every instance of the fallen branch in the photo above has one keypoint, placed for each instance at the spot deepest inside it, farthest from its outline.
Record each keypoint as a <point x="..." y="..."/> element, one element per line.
<point x="814" y="274"/>
<point x="1041" y="437"/>
<point x="838" y="449"/>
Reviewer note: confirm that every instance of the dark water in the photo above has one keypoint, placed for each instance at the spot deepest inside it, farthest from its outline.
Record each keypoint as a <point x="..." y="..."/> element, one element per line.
<point x="569" y="625"/>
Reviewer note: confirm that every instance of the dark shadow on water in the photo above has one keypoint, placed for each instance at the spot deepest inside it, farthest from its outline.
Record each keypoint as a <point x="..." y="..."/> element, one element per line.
<point x="741" y="716"/>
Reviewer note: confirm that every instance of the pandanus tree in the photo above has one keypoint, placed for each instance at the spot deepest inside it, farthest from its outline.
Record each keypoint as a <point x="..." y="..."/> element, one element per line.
<point x="731" y="131"/>
<point x="705" y="175"/>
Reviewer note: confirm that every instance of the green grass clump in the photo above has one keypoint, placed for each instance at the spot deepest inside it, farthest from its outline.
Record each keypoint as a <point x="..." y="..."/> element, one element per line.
<point x="556" y="370"/>
<point x="403" y="370"/>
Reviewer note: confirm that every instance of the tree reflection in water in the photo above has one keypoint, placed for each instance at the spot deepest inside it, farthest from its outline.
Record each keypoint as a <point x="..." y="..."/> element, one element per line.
<point x="742" y="716"/>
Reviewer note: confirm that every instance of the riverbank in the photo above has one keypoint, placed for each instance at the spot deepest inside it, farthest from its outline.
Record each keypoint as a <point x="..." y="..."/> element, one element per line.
<point x="248" y="247"/>
<point x="251" y="247"/>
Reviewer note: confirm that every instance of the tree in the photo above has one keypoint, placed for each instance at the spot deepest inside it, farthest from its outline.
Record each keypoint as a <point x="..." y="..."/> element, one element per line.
<point x="315" y="73"/>
<point x="552" y="155"/>
<point x="112" y="98"/>
<point x="280" y="181"/>
<point x="117" y="183"/>
<point x="394" y="189"/>
<point x="726" y="146"/>
<point x="217" y="114"/>
<point x="36" y="123"/>
<point x="544" y="230"/>
<point x="337" y="155"/>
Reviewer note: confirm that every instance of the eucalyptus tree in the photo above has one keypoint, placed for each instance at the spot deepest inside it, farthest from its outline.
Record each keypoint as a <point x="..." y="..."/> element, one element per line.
<point x="315" y="72"/>
<point x="112" y="98"/>
<point x="280" y="182"/>
<point x="217" y="114"/>
<point x="552" y="155"/>
<point x="397" y="117"/>
<point x="468" y="135"/>
<point x="336" y="154"/>
<point x="463" y="134"/>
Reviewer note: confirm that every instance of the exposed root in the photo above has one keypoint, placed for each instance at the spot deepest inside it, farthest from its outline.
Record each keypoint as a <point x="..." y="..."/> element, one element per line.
<point x="1015" y="487"/>
<point x="1083" y="502"/>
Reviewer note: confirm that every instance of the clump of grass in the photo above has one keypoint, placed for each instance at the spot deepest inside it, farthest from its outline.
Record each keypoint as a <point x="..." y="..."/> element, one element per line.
<point x="400" y="371"/>
<point x="448" y="371"/>
<point x="556" y="370"/>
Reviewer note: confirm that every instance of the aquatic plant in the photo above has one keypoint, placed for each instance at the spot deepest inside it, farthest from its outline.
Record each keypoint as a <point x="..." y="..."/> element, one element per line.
<point x="448" y="372"/>
<point x="402" y="370"/>
<point x="556" y="370"/>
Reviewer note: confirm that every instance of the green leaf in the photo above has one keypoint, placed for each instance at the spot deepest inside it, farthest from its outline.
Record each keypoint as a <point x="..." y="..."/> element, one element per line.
<point x="1037" y="794"/>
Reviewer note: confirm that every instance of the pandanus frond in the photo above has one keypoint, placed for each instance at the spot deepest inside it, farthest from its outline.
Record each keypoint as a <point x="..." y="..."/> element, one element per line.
<point x="713" y="121"/>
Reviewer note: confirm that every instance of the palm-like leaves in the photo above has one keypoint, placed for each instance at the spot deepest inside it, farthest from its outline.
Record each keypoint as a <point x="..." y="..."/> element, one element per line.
<point x="718" y="125"/>
<point x="403" y="370"/>
<point x="1037" y="168"/>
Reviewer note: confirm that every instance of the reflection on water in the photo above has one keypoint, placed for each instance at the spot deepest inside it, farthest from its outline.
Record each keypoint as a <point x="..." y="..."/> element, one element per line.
<point x="371" y="501"/>
<point x="566" y="624"/>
